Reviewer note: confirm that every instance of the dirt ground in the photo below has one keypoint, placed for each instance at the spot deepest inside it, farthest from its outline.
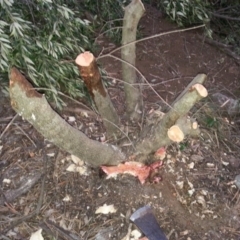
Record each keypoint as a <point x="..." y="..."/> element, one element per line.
<point x="197" y="198"/>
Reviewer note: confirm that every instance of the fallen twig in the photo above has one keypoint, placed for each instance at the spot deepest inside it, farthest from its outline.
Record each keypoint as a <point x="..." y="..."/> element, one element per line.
<point x="27" y="183"/>
<point x="50" y="227"/>
<point x="9" y="124"/>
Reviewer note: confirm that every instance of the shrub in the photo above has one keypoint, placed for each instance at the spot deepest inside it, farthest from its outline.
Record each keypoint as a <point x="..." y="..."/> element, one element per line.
<point x="109" y="15"/>
<point x="41" y="38"/>
<point x="186" y="12"/>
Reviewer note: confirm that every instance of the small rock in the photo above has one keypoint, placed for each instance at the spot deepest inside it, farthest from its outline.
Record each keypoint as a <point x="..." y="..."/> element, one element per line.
<point x="237" y="181"/>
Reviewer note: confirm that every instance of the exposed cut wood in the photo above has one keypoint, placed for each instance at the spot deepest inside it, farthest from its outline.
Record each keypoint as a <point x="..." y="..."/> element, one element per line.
<point x="175" y="134"/>
<point x="84" y="59"/>
<point x="158" y="135"/>
<point x="90" y="73"/>
<point x="202" y="91"/>
<point x="184" y="126"/>
<point x="91" y="76"/>
<point x="133" y="168"/>
<point x="200" y="78"/>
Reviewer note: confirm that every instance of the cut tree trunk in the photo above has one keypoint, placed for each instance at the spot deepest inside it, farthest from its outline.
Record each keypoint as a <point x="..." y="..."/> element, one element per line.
<point x="33" y="107"/>
<point x="171" y="127"/>
<point x="91" y="76"/>
<point x="133" y="13"/>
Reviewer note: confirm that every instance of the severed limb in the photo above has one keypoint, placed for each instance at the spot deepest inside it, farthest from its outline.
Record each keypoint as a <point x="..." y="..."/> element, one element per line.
<point x="91" y="76"/>
<point x="184" y="126"/>
<point x="158" y="134"/>
<point x="34" y="107"/>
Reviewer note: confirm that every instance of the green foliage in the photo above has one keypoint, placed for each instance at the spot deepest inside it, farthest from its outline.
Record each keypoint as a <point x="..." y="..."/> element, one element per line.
<point x="183" y="145"/>
<point x="41" y="38"/>
<point x="211" y="122"/>
<point x="220" y="17"/>
<point x="227" y="23"/>
<point x="109" y="15"/>
<point x="186" y="12"/>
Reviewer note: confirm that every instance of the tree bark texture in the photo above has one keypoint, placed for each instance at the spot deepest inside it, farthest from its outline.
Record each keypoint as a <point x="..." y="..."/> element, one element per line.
<point x="133" y="13"/>
<point x="33" y="107"/>
<point x="173" y="126"/>
<point x="200" y="78"/>
<point x="158" y="134"/>
<point x="92" y="78"/>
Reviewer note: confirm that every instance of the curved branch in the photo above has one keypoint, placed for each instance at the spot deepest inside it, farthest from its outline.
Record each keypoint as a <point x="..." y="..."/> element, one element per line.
<point x="33" y="107"/>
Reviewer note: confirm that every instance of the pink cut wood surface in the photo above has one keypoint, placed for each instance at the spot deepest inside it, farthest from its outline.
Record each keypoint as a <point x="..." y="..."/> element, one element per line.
<point x="84" y="59"/>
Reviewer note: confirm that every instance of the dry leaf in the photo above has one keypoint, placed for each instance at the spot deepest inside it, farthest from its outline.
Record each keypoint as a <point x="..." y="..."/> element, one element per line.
<point x="82" y="170"/>
<point x="72" y="168"/>
<point x="106" y="209"/>
<point x="77" y="166"/>
<point x="180" y="184"/>
<point x="191" y="165"/>
<point x="6" y="180"/>
<point x="201" y="201"/>
<point x="135" y="235"/>
<point x="191" y="192"/>
<point x="51" y="154"/>
<point x="85" y="114"/>
<point x="67" y="198"/>
<point x="77" y="160"/>
<point x="37" y="235"/>
<point x="210" y="165"/>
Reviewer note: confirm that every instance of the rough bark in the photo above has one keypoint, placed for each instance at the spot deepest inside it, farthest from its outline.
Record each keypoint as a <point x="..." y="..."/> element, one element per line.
<point x="133" y="13"/>
<point x="91" y="76"/>
<point x="158" y="134"/>
<point x="200" y="78"/>
<point x="33" y="107"/>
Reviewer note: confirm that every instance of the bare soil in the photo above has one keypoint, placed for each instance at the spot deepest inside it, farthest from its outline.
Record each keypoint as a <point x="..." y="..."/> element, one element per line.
<point x="197" y="198"/>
